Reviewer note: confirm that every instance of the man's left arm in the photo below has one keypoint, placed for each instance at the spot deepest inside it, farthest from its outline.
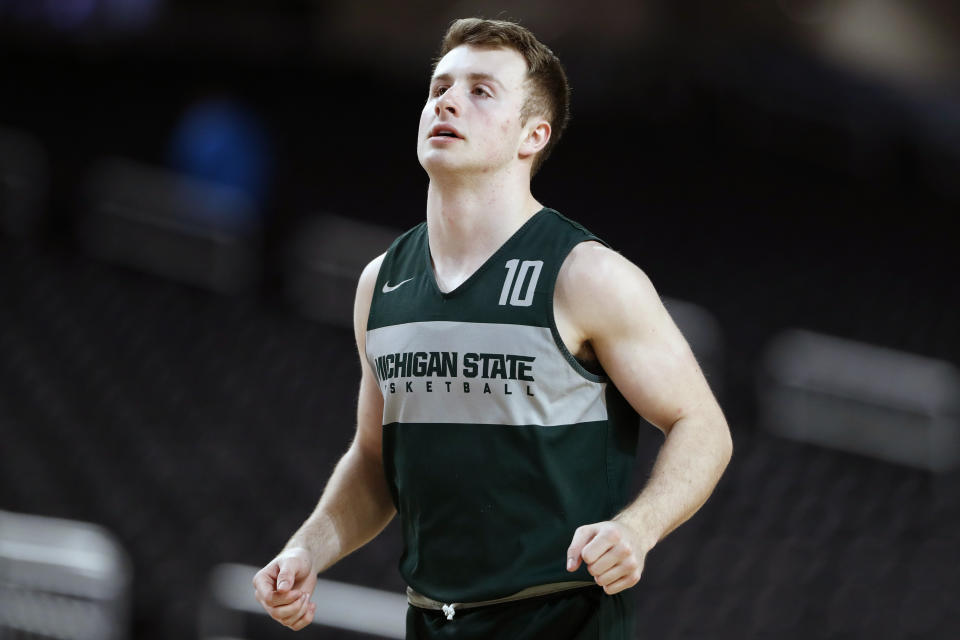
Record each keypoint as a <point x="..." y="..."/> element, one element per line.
<point x="606" y="302"/>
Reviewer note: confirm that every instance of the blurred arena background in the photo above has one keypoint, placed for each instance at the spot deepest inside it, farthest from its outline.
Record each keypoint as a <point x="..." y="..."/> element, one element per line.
<point x="188" y="190"/>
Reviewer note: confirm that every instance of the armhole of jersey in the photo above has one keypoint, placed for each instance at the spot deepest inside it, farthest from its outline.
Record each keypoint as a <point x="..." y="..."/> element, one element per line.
<point x="383" y="273"/>
<point x="370" y="311"/>
<point x="382" y="276"/>
<point x="557" y="338"/>
<point x="374" y="298"/>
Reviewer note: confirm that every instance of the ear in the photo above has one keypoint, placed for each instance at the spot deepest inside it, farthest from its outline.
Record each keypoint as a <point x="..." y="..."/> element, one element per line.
<point x="537" y="137"/>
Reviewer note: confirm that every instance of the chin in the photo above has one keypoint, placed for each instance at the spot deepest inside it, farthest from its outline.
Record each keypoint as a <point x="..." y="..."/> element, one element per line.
<point x="439" y="163"/>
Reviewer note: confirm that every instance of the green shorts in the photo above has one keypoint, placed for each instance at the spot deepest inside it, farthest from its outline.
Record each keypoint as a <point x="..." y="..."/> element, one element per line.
<point x="580" y="614"/>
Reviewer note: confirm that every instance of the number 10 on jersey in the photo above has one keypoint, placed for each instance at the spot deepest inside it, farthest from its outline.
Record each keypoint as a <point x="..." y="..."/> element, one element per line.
<point x="518" y="275"/>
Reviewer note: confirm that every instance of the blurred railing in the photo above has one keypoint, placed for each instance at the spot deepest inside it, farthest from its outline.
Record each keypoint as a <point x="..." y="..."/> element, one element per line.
<point x="61" y="579"/>
<point x="341" y="606"/>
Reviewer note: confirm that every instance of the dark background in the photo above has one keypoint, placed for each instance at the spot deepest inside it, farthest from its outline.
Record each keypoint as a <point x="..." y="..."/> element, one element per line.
<point x="769" y="161"/>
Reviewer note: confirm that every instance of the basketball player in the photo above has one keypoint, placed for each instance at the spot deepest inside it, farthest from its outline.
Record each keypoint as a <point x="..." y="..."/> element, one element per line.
<point x="506" y="354"/>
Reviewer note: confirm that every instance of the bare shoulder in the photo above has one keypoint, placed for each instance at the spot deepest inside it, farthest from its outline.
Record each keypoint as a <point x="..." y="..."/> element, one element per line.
<point x="610" y="303"/>
<point x="598" y="286"/>
<point x="594" y="263"/>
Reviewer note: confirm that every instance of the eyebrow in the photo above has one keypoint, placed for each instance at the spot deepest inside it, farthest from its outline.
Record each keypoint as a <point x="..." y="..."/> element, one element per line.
<point x="471" y="76"/>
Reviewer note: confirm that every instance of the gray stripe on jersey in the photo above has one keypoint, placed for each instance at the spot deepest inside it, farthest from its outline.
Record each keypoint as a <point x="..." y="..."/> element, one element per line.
<point x="556" y="395"/>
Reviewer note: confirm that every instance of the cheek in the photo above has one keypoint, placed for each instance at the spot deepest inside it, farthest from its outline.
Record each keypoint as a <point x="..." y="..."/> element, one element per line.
<point x="509" y="123"/>
<point x="499" y="126"/>
<point x="425" y="116"/>
<point x="510" y="132"/>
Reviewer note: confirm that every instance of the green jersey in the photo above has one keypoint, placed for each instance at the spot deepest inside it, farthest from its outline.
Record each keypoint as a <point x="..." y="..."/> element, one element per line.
<point x="497" y="442"/>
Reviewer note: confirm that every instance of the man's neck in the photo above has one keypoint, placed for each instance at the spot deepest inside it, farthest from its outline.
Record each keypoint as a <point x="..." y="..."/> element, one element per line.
<point x="467" y="222"/>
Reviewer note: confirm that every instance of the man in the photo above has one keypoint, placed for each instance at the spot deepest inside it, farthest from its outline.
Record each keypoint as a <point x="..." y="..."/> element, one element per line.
<point x="506" y="353"/>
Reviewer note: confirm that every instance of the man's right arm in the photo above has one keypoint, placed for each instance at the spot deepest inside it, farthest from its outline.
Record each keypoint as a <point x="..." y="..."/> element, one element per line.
<point x="355" y="505"/>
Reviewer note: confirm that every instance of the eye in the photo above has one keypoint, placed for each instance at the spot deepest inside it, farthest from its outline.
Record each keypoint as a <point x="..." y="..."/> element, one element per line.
<point x="482" y="91"/>
<point x="438" y="91"/>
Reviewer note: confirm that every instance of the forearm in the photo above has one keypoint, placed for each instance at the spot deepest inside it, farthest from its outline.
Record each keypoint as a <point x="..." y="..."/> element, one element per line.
<point x="686" y="470"/>
<point x="354" y="508"/>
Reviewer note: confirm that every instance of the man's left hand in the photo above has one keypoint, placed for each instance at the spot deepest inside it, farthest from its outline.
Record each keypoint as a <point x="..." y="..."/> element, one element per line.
<point x="613" y="553"/>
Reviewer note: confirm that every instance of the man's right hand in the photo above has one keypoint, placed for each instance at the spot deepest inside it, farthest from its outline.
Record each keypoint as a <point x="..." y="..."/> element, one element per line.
<point x="284" y="588"/>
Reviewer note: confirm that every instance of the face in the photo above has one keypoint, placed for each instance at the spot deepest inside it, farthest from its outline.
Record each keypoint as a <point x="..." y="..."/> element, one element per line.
<point x="471" y="121"/>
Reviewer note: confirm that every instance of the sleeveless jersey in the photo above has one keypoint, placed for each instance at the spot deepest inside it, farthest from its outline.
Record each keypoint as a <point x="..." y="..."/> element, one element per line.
<point x="497" y="443"/>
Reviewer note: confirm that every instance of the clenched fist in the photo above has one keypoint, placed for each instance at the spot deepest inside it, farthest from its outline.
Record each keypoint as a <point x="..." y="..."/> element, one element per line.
<point x="284" y="588"/>
<point x="613" y="553"/>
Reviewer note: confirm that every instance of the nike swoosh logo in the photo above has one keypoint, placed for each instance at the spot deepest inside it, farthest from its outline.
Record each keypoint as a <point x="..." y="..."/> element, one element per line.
<point x="387" y="288"/>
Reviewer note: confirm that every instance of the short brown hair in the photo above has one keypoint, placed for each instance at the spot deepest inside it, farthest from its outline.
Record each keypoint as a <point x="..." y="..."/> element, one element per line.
<point x="549" y="93"/>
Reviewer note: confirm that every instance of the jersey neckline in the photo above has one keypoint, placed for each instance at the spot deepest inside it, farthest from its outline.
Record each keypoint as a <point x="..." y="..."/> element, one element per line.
<point x="428" y="256"/>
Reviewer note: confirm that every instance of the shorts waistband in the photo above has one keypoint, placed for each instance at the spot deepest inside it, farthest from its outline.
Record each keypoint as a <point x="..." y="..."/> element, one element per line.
<point x="449" y="609"/>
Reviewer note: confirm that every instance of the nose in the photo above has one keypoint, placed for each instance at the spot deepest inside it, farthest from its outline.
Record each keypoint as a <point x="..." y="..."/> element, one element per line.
<point x="447" y="102"/>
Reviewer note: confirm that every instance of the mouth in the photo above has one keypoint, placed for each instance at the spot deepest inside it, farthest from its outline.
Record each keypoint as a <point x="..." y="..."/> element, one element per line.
<point x="445" y="131"/>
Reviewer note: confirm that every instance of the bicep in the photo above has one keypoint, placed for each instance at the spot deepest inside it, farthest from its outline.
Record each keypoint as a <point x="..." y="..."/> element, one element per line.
<point x="655" y="370"/>
<point x="637" y="343"/>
